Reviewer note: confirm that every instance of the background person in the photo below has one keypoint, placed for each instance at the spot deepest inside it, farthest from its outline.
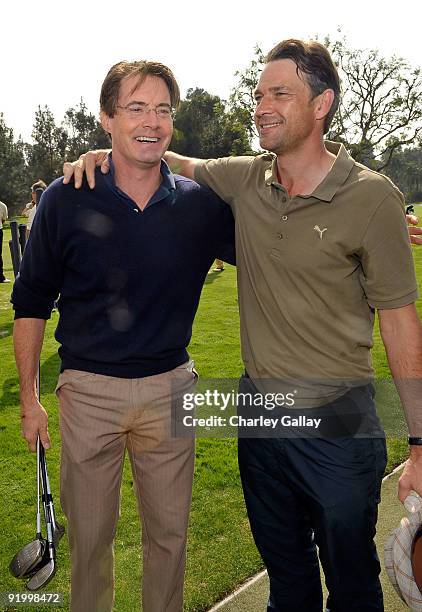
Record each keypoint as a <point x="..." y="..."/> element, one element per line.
<point x="40" y="183"/>
<point x="33" y="211"/>
<point x="37" y="190"/>
<point x="27" y="208"/>
<point x="3" y="218"/>
<point x="415" y="233"/>
<point x="219" y="265"/>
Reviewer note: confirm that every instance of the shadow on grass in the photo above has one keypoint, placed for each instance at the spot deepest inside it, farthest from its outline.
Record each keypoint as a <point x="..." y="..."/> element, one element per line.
<point x="10" y="393"/>
<point x="49" y="374"/>
<point x="211" y="277"/>
<point x="50" y="371"/>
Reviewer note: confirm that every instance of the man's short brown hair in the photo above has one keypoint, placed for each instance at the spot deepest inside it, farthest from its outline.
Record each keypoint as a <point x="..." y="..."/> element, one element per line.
<point x="314" y="61"/>
<point x="111" y="86"/>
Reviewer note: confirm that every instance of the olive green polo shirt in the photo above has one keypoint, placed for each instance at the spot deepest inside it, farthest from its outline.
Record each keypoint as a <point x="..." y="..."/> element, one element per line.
<point x="312" y="269"/>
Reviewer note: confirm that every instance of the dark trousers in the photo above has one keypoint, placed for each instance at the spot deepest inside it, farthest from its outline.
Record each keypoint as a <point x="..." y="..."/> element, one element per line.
<point x="2" y="277"/>
<point x="304" y="493"/>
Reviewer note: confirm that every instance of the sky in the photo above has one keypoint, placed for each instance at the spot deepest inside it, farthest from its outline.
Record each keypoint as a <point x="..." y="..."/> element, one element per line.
<point x="55" y="52"/>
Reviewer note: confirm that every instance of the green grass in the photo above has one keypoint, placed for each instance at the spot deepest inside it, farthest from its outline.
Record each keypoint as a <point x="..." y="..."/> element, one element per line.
<point x="221" y="553"/>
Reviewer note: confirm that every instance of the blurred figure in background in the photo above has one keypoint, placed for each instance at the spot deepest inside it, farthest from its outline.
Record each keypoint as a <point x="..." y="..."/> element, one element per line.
<point x="39" y="184"/>
<point x="37" y="190"/>
<point x="219" y="265"/>
<point x="3" y="217"/>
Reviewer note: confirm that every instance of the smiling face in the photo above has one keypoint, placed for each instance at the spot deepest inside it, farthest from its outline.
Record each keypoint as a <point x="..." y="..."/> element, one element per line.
<point x="140" y="140"/>
<point x="285" y="113"/>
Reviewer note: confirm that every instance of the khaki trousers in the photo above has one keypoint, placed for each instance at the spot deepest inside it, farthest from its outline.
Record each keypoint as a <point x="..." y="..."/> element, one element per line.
<point x="101" y="417"/>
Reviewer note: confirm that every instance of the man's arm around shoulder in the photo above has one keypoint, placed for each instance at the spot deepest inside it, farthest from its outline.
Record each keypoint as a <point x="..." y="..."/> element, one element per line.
<point x="180" y="164"/>
<point x="401" y="332"/>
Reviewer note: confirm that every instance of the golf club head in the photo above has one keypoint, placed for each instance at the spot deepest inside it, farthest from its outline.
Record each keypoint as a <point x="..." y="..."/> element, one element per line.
<point x="43" y="561"/>
<point x="27" y="558"/>
<point x="43" y="576"/>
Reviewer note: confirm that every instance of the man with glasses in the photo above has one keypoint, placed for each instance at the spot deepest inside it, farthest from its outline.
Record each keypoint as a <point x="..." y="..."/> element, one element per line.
<point x="128" y="260"/>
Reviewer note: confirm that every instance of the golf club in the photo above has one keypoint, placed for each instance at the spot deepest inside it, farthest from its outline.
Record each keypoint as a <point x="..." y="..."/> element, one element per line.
<point x="46" y="569"/>
<point x="28" y="557"/>
<point x="36" y="560"/>
<point x="58" y="530"/>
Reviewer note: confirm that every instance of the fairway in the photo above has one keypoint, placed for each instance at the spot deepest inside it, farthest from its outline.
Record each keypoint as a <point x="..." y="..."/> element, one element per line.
<point x="221" y="553"/>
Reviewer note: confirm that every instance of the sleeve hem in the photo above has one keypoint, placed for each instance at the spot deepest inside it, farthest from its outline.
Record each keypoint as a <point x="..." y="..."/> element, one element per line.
<point x="197" y="173"/>
<point x="405" y="300"/>
<point x="24" y="314"/>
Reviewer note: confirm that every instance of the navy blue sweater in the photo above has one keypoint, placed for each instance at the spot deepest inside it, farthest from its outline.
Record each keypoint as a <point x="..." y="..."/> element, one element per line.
<point x="129" y="281"/>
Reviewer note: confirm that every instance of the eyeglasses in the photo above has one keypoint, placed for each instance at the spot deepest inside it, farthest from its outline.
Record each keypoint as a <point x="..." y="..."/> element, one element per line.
<point x="135" y="109"/>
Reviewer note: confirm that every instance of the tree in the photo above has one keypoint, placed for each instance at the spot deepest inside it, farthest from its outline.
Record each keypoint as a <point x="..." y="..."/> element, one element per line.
<point x="46" y="156"/>
<point x="381" y="107"/>
<point x="13" y="178"/>
<point x="242" y="96"/>
<point x="21" y="163"/>
<point x="85" y="131"/>
<point x="204" y="128"/>
<point x="405" y="169"/>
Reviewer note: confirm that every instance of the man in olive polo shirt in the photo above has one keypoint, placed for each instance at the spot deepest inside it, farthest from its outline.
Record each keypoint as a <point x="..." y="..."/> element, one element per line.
<point x="321" y="243"/>
<point x="328" y="259"/>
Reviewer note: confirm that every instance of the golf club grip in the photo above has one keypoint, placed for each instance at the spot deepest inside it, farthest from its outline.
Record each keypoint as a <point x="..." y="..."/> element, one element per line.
<point x="48" y="519"/>
<point x="38" y="488"/>
<point x="43" y="481"/>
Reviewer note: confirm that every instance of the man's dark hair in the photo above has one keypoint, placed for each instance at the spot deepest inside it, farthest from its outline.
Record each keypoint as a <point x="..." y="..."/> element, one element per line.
<point x="110" y="89"/>
<point x="314" y="61"/>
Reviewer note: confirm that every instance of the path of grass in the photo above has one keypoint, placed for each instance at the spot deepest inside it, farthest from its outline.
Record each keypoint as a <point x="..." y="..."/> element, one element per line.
<point x="221" y="554"/>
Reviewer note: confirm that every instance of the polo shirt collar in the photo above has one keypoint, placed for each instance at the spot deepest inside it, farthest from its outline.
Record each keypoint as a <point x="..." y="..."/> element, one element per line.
<point x="271" y="172"/>
<point x="167" y="186"/>
<point x="168" y="176"/>
<point x="338" y="174"/>
<point x="168" y="181"/>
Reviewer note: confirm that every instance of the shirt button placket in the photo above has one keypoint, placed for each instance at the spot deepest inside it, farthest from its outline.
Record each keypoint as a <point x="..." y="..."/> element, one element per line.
<point x="284" y="200"/>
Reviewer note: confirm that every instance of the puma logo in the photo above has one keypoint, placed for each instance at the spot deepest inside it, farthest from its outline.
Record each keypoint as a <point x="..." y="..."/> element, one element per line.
<point x="320" y="231"/>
